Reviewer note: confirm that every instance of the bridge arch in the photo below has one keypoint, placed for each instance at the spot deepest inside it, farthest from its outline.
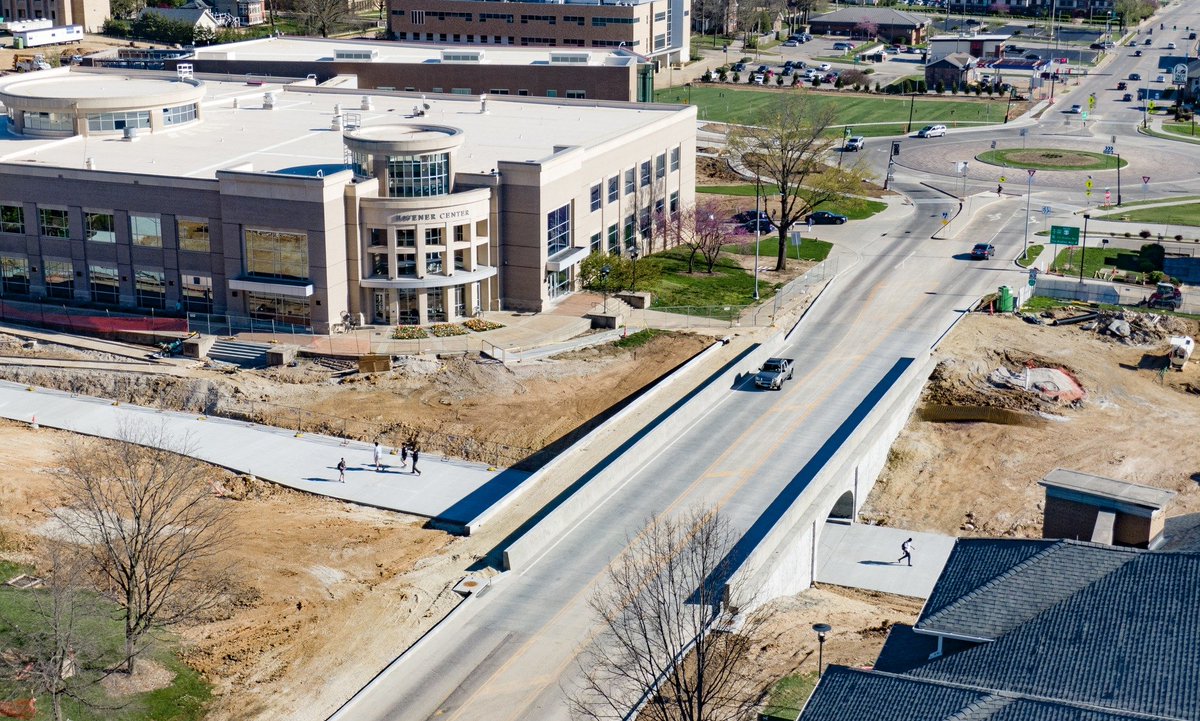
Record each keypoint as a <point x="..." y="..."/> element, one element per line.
<point x="843" y="509"/>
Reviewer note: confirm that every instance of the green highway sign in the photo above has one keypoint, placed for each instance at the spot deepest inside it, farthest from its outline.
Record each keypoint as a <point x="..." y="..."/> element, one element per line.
<point x="1064" y="235"/>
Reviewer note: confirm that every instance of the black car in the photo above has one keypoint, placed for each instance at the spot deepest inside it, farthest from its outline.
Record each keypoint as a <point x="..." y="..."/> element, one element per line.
<point x="824" y="217"/>
<point x="747" y="216"/>
<point x="739" y="67"/>
<point x="1127" y="98"/>
<point x="983" y="251"/>
<point x="763" y="226"/>
<point x="1135" y="76"/>
<point x="1122" y="85"/>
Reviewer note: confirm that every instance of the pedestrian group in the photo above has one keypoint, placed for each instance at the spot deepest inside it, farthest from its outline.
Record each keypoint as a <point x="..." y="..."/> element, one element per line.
<point x="406" y="451"/>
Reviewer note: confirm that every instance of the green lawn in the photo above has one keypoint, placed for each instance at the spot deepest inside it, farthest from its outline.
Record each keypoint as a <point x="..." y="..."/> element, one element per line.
<point x="1185" y="129"/>
<point x="183" y="700"/>
<point x="1094" y="259"/>
<point x="1031" y="256"/>
<point x="852" y="208"/>
<point x="1186" y="214"/>
<point x="768" y="247"/>
<point x="721" y="294"/>
<point x="725" y="104"/>
<point x="1133" y="203"/>
<point x="1050" y="159"/>
<point x="788" y="696"/>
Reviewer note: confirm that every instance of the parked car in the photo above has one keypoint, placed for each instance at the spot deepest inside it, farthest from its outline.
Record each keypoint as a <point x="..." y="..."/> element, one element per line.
<point x="1075" y="109"/>
<point x="1147" y="41"/>
<point x="1135" y="76"/>
<point x="764" y="69"/>
<point x="1160" y="78"/>
<point x="983" y="251"/>
<point x="1122" y="85"/>
<point x="747" y="216"/>
<point x="786" y="72"/>
<point x="1170" y="46"/>
<point x="1127" y="97"/>
<point x="1191" y="36"/>
<point x="1137" y="53"/>
<point x="824" y="217"/>
<point x="932" y="131"/>
<point x="856" y="143"/>
<point x="774" y="372"/>
<point x="789" y="64"/>
<point x="791" y="44"/>
<point x="843" y="46"/>
<point x="824" y="67"/>
<point x="762" y="226"/>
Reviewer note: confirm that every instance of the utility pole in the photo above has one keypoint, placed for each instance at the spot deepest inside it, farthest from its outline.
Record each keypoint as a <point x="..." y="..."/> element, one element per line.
<point x="1028" y="195"/>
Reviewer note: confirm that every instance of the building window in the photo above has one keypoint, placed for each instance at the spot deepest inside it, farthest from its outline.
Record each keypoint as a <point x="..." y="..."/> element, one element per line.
<point x="406" y="237"/>
<point x="552" y="93"/>
<point x="595" y="245"/>
<point x="630" y="182"/>
<point x="419" y="176"/>
<point x="674" y="203"/>
<point x="408" y="312"/>
<point x="658" y="206"/>
<point x="406" y="265"/>
<point x="417" y="17"/>
<point x="145" y="230"/>
<point x="558" y="230"/>
<point x="99" y="227"/>
<point x="179" y="115"/>
<point x="644" y="223"/>
<point x="379" y="265"/>
<point x="660" y="166"/>
<point x="60" y="279"/>
<point x="193" y="235"/>
<point x="54" y="223"/>
<point x="150" y="288"/>
<point x="50" y="121"/>
<point x="596" y="197"/>
<point x="196" y="291"/>
<point x="630" y="229"/>
<point x="282" y="308"/>
<point x="105" y="284"/>
<point x="460" y="303"/>
<point x="109" y="122"/>
<point x="12" y="219"/>
<point x="460" y="259"/>
<point x="435" y="305"/>
<point x="460" y="233"/>
<point x="558" y="283"/>
<point x="614" y="189"/>
<point x="614" y="239"/>
<point x="645" y="173"/>
<point x="435" y="236"/>
<point x="14" y="275"/>
<point x="273" y="254"/>
<point x="674" y="159"/>
<point x="577" y="94"/>
<point x="433" y="263"/>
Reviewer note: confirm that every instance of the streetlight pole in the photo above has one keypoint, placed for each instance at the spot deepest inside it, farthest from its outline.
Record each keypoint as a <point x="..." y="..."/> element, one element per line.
<point x="757" y="231"/>
<point x="912" y="104"/>
<point x="1028" y="195"/>
<point x="633" y="256"/>
<point x="1118" y="180"/>
<point x="1083" y="253"/>
<point x="604" y="271"/>
<point x="821" y="629"/>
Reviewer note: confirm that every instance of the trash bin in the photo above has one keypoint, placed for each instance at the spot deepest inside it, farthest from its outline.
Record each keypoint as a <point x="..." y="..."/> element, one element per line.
<point x="1006" y="299"/>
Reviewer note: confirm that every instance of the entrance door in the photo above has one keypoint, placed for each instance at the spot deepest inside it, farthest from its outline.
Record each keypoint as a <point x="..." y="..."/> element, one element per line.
<point x="381" y="306"/>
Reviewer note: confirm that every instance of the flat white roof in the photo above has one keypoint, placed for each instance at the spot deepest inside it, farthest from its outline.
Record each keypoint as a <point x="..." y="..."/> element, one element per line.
<point x="981" y="36"/>
<point x="297" y="135"/>
<point x="283" y="49"/>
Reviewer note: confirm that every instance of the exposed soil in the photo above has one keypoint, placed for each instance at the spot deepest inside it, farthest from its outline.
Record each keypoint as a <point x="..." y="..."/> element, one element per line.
<point x="979" y="477"/>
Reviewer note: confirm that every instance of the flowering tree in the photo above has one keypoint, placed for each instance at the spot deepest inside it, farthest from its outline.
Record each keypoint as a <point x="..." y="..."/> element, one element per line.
<point x="867" y="29"/>
<point x="699" y="229"/>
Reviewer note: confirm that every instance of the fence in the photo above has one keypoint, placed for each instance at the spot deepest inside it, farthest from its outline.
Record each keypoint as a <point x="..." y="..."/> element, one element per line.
<point x="211" y="324"/>
<point x="84" y="320"/>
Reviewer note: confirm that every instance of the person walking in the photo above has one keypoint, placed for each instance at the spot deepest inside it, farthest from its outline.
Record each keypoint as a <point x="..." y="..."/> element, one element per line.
<point x="341" y="466"/>
<point x="906" y="549"/>
<point x="404" y="455"/>
<point x="415" y="470"/>
<point x="378" y="457"/>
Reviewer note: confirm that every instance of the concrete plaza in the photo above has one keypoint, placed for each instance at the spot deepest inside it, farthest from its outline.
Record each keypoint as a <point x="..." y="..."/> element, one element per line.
<point x="862" y="556"/>
<point x="449" y="491"/>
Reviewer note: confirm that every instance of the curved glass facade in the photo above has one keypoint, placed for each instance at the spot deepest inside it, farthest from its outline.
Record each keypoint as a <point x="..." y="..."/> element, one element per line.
<point x="418" y="176"/>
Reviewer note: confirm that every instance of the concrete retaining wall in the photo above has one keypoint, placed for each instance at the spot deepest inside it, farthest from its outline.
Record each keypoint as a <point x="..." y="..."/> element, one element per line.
<point x="1101" y="291"/>
<point x="618" y="417"/>
<point x="783" y="562"/>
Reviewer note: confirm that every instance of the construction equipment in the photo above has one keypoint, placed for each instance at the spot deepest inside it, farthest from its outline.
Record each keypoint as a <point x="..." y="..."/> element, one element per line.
<point x="1181" y="351"/>
<point x="27" y="62"/>
<point x="1167" y="296"/>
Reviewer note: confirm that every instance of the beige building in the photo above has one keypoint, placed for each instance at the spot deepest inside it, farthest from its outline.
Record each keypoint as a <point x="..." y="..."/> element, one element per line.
<point x="296" y="204"/>
<point x="654" y="28"/>
<point x="91" y="14"/>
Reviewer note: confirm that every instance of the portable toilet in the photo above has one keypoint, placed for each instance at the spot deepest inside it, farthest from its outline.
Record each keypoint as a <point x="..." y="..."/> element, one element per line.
<point x="18" y="43"/>
<point x="1006" y="299"/>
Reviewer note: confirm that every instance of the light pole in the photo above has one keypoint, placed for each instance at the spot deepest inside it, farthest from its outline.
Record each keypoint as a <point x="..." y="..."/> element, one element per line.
<point x="1083" y="253"/>
<point x="912" y="104"/>
<point x="821" y="629"/>
<point x="604" y="271"/>
<point x="1118" y="180"/>
<point x="757" y="231"/>
<point x="633" y="256"/>
<point x="1028" y="195"/>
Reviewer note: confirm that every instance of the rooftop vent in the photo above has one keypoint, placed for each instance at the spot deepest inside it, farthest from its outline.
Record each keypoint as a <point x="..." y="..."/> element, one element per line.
<point x="184" y="71"/>
<point x="268" y="101"/>
<point x="569" y="58"/>
<point x="356" y="54"/>
<point x="462" y="56"/>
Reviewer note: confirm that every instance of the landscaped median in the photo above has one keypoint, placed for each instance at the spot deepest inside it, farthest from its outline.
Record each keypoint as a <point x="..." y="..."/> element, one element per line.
<point x="1050" y="159"/>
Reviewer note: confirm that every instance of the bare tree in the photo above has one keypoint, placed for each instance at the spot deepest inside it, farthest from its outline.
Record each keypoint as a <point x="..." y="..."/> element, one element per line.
<point x="150" y="523"/>
<point x="700" y="229"/>
<point x="320" y="16"/>
<point x="788" y="145"/>
<point x="665" y="640"/>
<point x="54" y="646"/>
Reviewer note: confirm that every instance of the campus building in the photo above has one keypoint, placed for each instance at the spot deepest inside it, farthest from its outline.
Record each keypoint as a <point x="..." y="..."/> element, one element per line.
<point x="654" y="28"/>
<point x="605" y="74"/>
<point x="297" y="203"/>
<point x="1038" y="8"/>
<point x="91" y="14"/>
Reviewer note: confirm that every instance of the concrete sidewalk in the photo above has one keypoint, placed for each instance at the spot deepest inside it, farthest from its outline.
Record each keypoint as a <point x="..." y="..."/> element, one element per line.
<point x="862" y="556"/>
<point x="449" y="491"/>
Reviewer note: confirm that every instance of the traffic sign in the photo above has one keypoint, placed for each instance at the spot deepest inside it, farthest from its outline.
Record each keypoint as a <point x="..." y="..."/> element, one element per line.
<point x="1108" y="197"/>
<point x="1088" y="184"/>
<point x="1003" y="179"/>
<point x="993" y="145"/>
<point x="1031" y="172"/>
<point x="1084" y="115"/>
<point x="1064" y="235"/>
<point x="1024" y="132"/>
<point x="945" y="215"/>
<point x="1109" y="150"/>
<point x="1179" y="74"/>
<point x="1033" y="274"/>
<point x="1145" y="180"/>
<point x="1047" y="210"/>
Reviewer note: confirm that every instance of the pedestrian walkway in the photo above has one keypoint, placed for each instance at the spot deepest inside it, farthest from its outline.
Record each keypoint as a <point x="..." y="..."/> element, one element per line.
<point x="862" y="556"/>
<point x="449" y="491"/>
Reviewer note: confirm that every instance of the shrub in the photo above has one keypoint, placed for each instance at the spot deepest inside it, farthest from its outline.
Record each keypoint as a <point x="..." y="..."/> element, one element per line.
<point x="1179" y="237"/>
<point x="940" y="87"/>
<point x="795" y="80"/>
<point x="1128" y="234"/>
<point x="746" y="59"/>
<point x="839" y="83"/>
<point x="1155" y="276"/>
<point x="409" y="332"/>
<point x="445" y="330"/>
<point x="737" y="77"/>
<point x="878" y="86"/>
<point x="779" y="80"/>
<point x="1143" y="234"/>
<point x="921" y="87"/>
<point x="479" y="325"/>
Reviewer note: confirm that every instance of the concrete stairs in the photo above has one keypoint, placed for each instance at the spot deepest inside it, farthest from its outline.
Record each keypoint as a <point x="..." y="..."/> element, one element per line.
<point x="240" y="353"/>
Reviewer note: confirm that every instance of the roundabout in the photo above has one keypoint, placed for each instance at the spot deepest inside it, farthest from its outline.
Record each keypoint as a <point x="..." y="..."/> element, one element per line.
<point x="1050" y="159"/>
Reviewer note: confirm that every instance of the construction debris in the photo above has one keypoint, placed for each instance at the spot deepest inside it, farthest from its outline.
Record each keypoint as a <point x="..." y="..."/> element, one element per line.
<point x="1054" y="384"/>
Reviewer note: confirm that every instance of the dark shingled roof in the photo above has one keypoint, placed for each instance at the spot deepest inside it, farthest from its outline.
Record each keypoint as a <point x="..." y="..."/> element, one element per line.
<point x="1083" y="632"/>
<point x="879" y="16"/>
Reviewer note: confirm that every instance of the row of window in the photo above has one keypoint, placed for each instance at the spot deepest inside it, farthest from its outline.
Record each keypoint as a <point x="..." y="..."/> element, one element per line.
<point x="407" y="267"/>
<point x="100" y="227"/>
<point x="104" y="283"/>
<point x="418" y="17"/>
<point x="659" y="170"/>
<point x="512" y="40"/>
<point x="435" y="236"/>
<point x="109" y="122"/>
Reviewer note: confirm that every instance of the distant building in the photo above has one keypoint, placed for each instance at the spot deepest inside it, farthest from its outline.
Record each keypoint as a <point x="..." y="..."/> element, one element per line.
<point x="91" y="14"/>
<point x="423" y="68"/>
<point x="952" y="71"/>
<point x="658" y="29"/>
<point x="890" y="24"/>
<point x="1036" y="8"/>
<point x="200" y="18"/>
<point x="1036" y="630"/>
<point x="981" y="46"/>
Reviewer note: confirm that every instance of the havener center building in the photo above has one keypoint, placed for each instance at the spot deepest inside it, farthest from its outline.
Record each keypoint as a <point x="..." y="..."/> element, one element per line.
<point x="169" y="193"/>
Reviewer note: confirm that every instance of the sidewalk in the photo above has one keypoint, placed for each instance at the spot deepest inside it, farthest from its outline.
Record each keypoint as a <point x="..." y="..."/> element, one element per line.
<point x="450" y="491"/>
<point x="862" y="556"/>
